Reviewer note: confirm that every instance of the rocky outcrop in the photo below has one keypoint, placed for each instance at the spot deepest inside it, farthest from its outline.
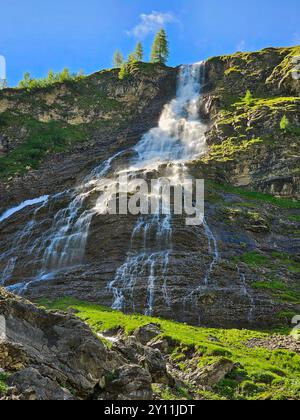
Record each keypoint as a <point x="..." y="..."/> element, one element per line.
<point x="210" y="376"/>
<point x="276" y="342"/>
<point x="55" y="356"/>
<point x="50" y="355"/>
<point x="248" y="148"/>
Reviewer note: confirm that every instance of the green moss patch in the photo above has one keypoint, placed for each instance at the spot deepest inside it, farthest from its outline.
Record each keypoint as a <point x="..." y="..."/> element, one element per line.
<point x="254" y="196"/>
<point x="3" y="384"/>
<point x="41" y="139"/>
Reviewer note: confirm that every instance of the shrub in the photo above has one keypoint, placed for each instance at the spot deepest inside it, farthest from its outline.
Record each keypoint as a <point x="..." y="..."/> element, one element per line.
<point x="248" y="98"/>
<point x="284" y="123"/>
<point x="124" y="71"/>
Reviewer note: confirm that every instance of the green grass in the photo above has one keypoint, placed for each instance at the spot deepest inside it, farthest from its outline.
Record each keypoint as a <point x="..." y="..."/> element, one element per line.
<point x="232" y="70"/>
<point x="282" y="368"/>
<point x="41" y="139"/>
<point x="284" y="203"/>
<point x="254" y="259"/>
<point x="229" y="148"/>
<point x="3" y="385"/>
<point x="279" y="290"/>
<point x="295" y="218"/>
<point x="271" y="261"/>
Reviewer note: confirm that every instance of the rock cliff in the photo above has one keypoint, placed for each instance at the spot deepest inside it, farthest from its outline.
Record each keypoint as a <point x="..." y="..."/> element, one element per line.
<point x="248" y="253"/>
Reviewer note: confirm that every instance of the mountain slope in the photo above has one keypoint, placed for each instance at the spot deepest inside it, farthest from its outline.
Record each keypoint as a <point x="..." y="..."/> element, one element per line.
<point x="249" y="250"/>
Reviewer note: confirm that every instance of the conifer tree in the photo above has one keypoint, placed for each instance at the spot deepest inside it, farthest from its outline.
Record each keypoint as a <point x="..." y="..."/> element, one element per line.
<point x="132" y="58"/>
<point x="139" y="52"/>
<point x="25" y="83"/>
<point x="118" y="59"/>
<point x="160" y="48"/>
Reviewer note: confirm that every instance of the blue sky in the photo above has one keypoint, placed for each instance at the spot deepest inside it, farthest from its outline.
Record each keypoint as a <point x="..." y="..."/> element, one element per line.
<point x="40" y="35"/>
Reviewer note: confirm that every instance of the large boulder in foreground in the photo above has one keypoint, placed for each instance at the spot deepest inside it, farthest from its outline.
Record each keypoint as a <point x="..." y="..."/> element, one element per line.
<point x="55" y="356"/>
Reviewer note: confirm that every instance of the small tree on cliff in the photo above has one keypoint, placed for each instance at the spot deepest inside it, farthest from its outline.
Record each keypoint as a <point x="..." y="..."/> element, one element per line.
<point x="139" y="52"/>
<point x="25" y="83"/>
<point x="160" y="48"/>
<point x="118" y="59"/>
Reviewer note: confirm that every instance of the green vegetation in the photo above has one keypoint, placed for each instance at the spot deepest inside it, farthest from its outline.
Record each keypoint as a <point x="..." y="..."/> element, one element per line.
<point x="254" y="259"/>
<point x="160" y="48"/>
<point x="118" y="59"/>
<point x="259" y="374"/>
<point x="284" y="123"/>
<point x="279" y="290"/>
<point x="139" y="52"/>
<point x="257" y="196"/>
<point x="229" y="148"/>
<point x="41" y="139"/>
<point x="126" y="68"/>
<point x="272" y="261"/>
<point x="248" y="98"/>
<point x="232" y="71"/>
<point x="159" y="54"/>
<point x="238" y="109"/>
<point x="52" y="78"/>
<point x="166" y="393"/>
<point x="3" y="386"/>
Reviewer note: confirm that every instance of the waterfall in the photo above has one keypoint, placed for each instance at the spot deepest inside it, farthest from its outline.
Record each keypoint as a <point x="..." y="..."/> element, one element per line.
<point x="28" y="203"/>
<point x="178" y="139"/>
<point x="245" y="291"/>
<point x="212" y="248"/>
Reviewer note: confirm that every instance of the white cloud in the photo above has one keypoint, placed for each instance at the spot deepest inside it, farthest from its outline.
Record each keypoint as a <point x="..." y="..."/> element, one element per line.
<point x="296" y="38"/>
<point x="241" y="46"/>
<point x="2" y="67"/>
<point x="151" y="23"/>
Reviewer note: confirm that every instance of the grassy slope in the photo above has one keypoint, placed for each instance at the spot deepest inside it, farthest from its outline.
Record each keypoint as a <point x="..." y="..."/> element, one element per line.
<point x="42" y="139"/>
<point x="260" y="373"/>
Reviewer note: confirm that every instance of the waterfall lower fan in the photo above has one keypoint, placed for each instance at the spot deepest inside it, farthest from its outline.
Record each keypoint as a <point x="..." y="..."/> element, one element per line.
<point x="55" y="245"/>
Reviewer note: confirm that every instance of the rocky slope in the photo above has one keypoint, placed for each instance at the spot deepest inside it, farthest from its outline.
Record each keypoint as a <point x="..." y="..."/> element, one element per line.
<point x="253" y="266"/>
<point x="48" y="356"/>
<point x="53" y="355"/>
<point x="248" y="146"/>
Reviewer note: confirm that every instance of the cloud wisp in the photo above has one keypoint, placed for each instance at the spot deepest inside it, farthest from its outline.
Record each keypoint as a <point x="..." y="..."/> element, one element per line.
<point x="151" y="23"/>
<point x="241" y="47"/>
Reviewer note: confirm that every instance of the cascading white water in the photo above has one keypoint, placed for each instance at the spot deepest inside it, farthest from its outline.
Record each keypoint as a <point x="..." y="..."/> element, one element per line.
<point x="246" y="292"/>
<point x="179" y="138"/>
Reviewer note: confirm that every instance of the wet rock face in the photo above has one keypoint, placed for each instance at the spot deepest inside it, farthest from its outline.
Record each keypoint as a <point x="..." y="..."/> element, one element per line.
<point x="198" y="286"/>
